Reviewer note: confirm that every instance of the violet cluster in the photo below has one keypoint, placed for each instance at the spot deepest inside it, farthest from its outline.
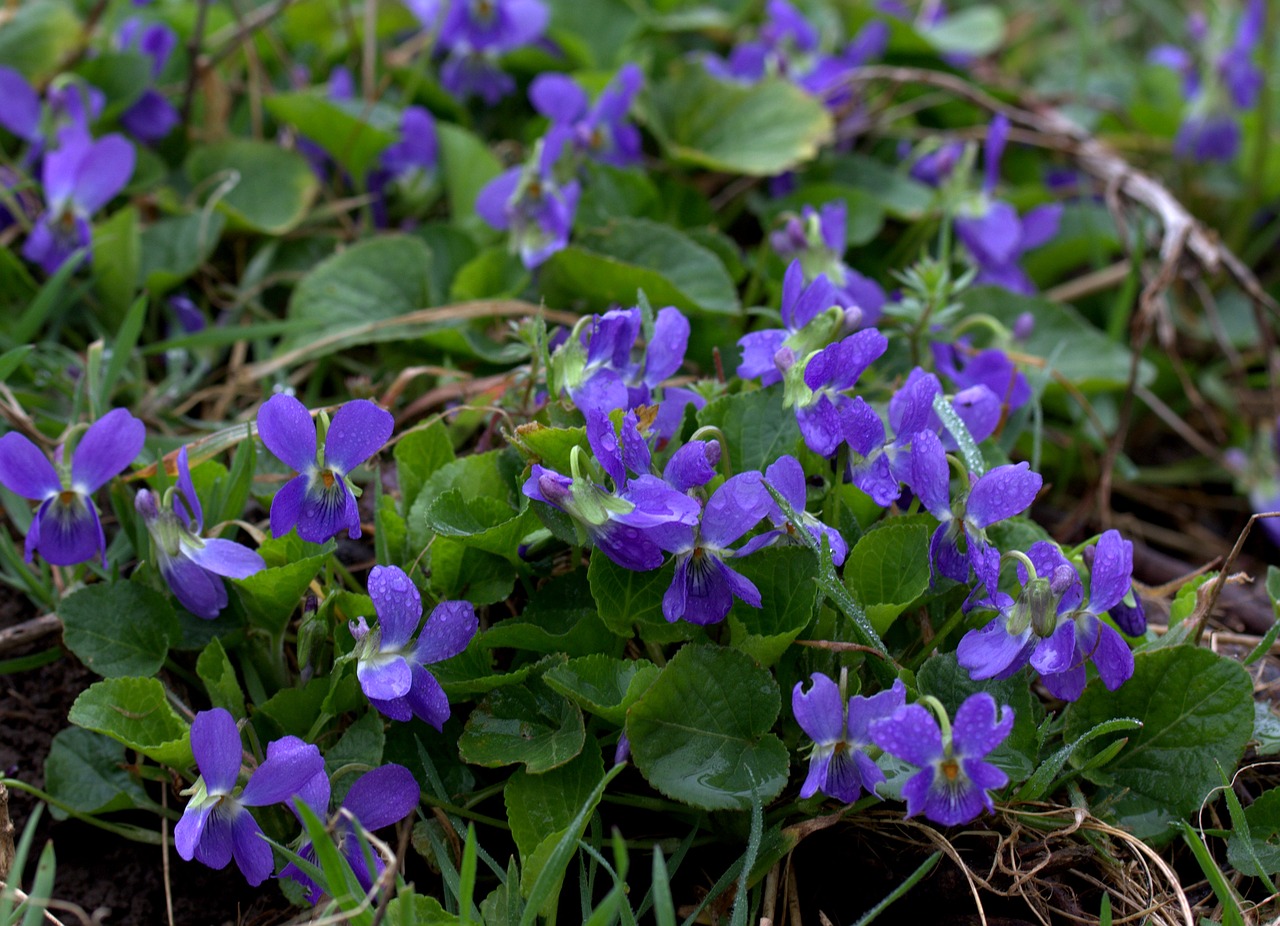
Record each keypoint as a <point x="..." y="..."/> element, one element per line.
<point x="1220" y="82"/>
<point x="473" y="37"/>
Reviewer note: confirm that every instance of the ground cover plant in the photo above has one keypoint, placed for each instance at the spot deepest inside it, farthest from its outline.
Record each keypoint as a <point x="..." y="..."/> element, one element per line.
<point x="502" y="461"/>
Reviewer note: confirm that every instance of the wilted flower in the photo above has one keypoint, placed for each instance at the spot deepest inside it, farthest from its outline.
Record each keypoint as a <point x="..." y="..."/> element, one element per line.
<point x="320" y="500"/>
<point x="953" y="782"/>
<point x="66" y="529"/>
<point x="216" y="825"/>
<point x="391" y="664"/>
<point x="191" y="564"/>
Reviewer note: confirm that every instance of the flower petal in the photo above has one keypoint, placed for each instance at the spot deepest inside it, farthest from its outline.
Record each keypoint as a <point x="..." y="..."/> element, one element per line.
<point x="325" y="511"/>
<point x="111" y="443"/>
<point x="188" y="831"/>
<point x="911" y="734"/>
<point x="359" y="430"/>
<point x="820" y="710"/>
<point x="286" y="507"/>
<point x="664" y="352"/>
<point x="382" y="796"/>
<point x="399" y="607"/>
<point x="692" y="465"/>
<point x="215" y="743"/>
<point x="285" y="426"/>
<point x="1113" y="657"/>
<point x="252" y="853"/>
<point x="1057" y="652"/>
<point x="213" y="848"/>
<point x="226" y="558"/>
<point x="384" y="678"/>
<point x="735" y="508"/>
<point x="447" y="633"/>
<point x="975" y="730"/>
<point x="816" y="779"/>
<point x="930" y="475"/>
<point x="427" y="699"/>
<point x="991" y="651"/>
<point x="1001" y="493"/>
<point x="103" y="171"/>
<point x="198" y="590"/>
<point x="290" y="763"/>
<point x="187" y="491"/>
<point x="865" y="710"/>
<point x="24" y="470"/>
<point x="1111" y="575"/>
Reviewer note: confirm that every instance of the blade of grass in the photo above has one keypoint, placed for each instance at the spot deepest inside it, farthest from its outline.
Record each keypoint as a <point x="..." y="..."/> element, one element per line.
<point x="912" y="880"/>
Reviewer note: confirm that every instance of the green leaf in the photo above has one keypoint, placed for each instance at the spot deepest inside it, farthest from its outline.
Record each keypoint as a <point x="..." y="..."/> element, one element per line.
<point x="271" y="596"/>
<point x="359" y="749"/>
<point x="528" y="724"/>
<point x="888" y="569"/>
<point x="293" y="711"/>
<point x="552" y="447"/>
<point x="460" y="571"/>
<point x="560" y="617"/>
<point x="610" y="264"/>
<point x="418" y="454"/>
<point x="1266" y="729"/>
<point x="117" y="246"/>
<point x="759" y="130"/>
<point x="377" y="278"/>
<point x="756" y="428"/>
<point x="942" y="677"/>
<point x="864" y="213"/>
<point x="479" y="476"/>
<point x="172" y="249"/>
<point x="898" y="194"/>
<point x="700" y="734"/>
<point x="268" y="188"/>
<point x="37" y="38"/>
<point x="541" y="804"/>
<point x="1070" y="345"/>
<point x="481" y="521"/>
<point x="354" y="142"/>
<point x="136" y="712"/>
<point x="466" y="164"/>
<point x="1263" y="845"/>
<point x="976" y="31"/>
<point x="87" y="771"/>
<point x="1037" y="787"/>
<point x="215" y="670"/>
<point x="119" y="628"/>
<point x="603" y="685"/>
<point x="494" y="273"/>
<point x="1197" y="713"/>
<point x="787" y="580"/>
<point x="630" y="603"/>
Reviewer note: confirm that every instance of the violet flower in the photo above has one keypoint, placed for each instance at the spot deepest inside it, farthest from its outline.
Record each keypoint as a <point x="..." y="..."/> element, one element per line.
<point x="704" y="586"/>
<point x="192" y="565"/>
<point x="994" y="234"/>
<point x="320" y="500"/>
<point x="216" y="825"/>
<point x="991" y="368"/>
<point x="391" y="664"/>
<point x="80" y="176"/>
<point x="812" y="318"/>
<point x="66" y="529"/>
<point x="787" y="478"/>
<point x="20" y="107"/>
<point x="636" y="522"/>
<point x="531" y="204"/>
<point x="953" y="784"/>
<point x="817" y="239"/>
<point x="475" y="33"/>
<point x="151" y="117"/>
<point x="379" y="798"/>
<point x="999" y="493"/>
<point x="820" y="398"/>
<point x="598" y="130"/>
<point x="839" y="766"/>
<point x="408" y="166"/>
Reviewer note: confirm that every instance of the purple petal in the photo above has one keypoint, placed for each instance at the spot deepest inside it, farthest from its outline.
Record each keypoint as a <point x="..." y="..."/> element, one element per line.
<point x="735" y="508"/>
<point x="1112" y="572"/>
<point x="692" y="465"/>
<point x="214" y="845"/>
<point x="993" y="237"/>
<point x="382" y="796"/>
<point x="187" y="492"/>
<point x="447" y="633"/>
<point x="980" y="410"/>
<point x="358" y="431"/>
<point x="816" y="780"/>
<point x="285" y="426"/>
<point x="1001" y="493"/>
<point x="844" y="776"/>
<point x="26" y="471"/>
<point x="863" y="711"/>
<point x="786" y="475"/>
<point x="992" y="651"/>
<point x="198" y="590"/>
<point x="1040" y="226"/>
<point x="399" y="606"/>
<point x="821" y="425"/>
<point x="863" y="428"/>
<point x="666" y="349"/>
<point x="953" y="803"/>
<point x="111" y="443"/>
<point x="975" y="730"/>
<point x="67" y="532"/>
<point x="491" y="203"/>
<point x="604" y="445"/>
<point x="102" y="172"/>
<point x="20" y="109"/>
<point x="1113" y="657"/>
<point x="326" y="511"/>
<point x="931" y="475"/>
<point x="215" y="743"/>
<point x="289" y="765"/>
<point x="427" y="699"/>
<point x="150" y="118"/>
<point x="226" y="558"/>
<point x="188" y="832"/>
<point x="384" y="678"/>
<point x="252" y="853"/>
<point x="558" y="97"/>
<point x="628" y="546"/>
<point x="286" y="507"/>
<point x="911" y="407"/>
<point x="635" y="449"/>
<point x="397" y="709"/>
<point x="758" y="350"/>
<point x="820" y="710"/>
<point x="1057" y="652"/>
<point x="917" y="791"/>
<point x="993" y="151"/>
<point x="911" y="734"/>
<point x="1068" y="685"/>
<point x="945" y="555"/>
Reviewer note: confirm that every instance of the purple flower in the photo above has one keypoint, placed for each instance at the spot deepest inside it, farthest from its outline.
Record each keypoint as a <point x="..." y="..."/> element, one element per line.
<point x="191" y="564"/>
<point x="936" y="165"/>
<point x="998" y="494"/>
<point x="954" y="780"/>
<point x="817" y="239"/>
<point x="821" y="405"/>
<point x="80" y="177"/>
<point x="644" y="514"/>
<point x="216" y="825"/>
<point x="599" y="131"/>
<point x="409" y="165"/>
<point x="320" y="500"/>
<point x="20" y="109"/>
<point x="811" y="317"/>
<point x="475" y="33"/>
<point x="377" y="799"/>
<point x="839" y="766"/>
<point x="991" y="368"/>
<point x="1080" y="635"/>
<point x="391" y="664"/>
<point x="704" y="586"/>
<point x="787" y="477"/>
<point x="151" y="117"/>
<point x="66" y="529"/>
<point x="531" y="204"/>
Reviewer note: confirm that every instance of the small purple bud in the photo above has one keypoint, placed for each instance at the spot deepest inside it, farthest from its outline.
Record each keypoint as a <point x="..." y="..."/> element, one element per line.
<point x="555" y="488"/>
<point x="784" y="359"/>
<point x="1063" y="576"/>
<point x="359" y="629"/>
<point x="623" y="752"/>
<point x="1023" y="326"/>
<point x="145" y="504"/>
